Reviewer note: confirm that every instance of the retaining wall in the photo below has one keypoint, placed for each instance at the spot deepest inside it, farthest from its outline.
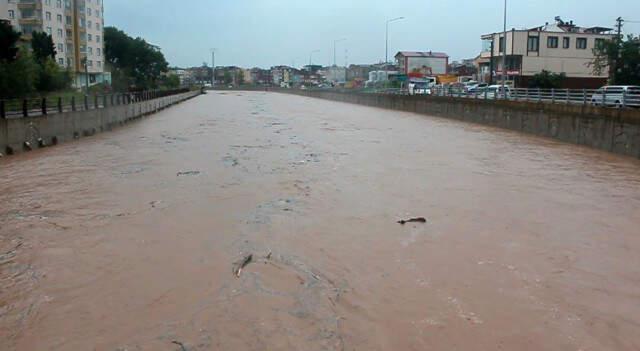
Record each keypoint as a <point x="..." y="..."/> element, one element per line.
<point x="26" y="133"/>
<point x="613" y="130"/>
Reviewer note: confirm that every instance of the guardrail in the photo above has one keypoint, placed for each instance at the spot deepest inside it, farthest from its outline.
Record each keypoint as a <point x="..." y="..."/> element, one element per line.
<point x="556" y="96"/>
<point x="31" y="107"/>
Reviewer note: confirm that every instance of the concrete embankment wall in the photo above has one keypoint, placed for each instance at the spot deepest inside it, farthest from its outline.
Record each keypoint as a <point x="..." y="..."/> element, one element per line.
<point x="23" y="134"/>
<point x="613" y="130"/>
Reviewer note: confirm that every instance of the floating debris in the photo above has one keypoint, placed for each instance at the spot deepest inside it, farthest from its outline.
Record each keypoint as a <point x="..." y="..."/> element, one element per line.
<point x="188" y="173"/>
<point x="239" y="266"/>
<point x="413" y="220"/>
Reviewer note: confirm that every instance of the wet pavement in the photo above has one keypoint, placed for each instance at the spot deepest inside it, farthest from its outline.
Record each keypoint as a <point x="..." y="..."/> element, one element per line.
<point x="130" y="240"/>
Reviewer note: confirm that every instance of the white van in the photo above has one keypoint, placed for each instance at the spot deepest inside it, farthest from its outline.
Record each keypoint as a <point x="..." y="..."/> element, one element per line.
<point x="617" y="95"/>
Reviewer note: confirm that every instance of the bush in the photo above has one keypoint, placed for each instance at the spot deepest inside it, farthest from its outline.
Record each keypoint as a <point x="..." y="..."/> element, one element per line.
<point x="18" y="78"/>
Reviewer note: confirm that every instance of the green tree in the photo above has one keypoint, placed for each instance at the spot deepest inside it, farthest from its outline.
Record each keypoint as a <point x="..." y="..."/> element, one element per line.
<point x="620" y="58"/>
<point x="43" y="47"/>
<point x="547" y="80"/>
<point x="240" y="77"/>
<point x="228" y="78"/>
<point x="8" y="42"/>
<point x="172" y="81"/>
<point x="135" y="64"/>
<point x="18" y="78"/>
<point x="51" y="77"/>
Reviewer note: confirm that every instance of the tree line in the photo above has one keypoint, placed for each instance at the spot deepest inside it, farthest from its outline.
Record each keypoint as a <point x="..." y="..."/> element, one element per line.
<point x="29" y="68"/>
<point x="24" y="71"/>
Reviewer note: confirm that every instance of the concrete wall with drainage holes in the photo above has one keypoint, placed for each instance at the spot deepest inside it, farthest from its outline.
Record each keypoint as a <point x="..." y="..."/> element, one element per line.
<point x="24" y="134"/>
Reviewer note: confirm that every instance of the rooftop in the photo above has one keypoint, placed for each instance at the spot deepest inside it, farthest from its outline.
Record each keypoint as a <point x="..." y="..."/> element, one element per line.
<point x="422" y="54"/>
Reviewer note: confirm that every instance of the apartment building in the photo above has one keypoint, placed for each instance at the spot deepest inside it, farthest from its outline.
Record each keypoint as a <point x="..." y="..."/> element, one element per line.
<point x="559" y="47"/>
<point x="76" y="26"/>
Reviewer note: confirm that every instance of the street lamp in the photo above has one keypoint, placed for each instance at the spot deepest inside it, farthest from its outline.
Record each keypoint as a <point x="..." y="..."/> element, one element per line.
<point x="334" y="49"/>
<point x="311" y="56"/>
<point x="386" y="52"/>
<point x="213" y="67"/>
<point x="504" y="50"/>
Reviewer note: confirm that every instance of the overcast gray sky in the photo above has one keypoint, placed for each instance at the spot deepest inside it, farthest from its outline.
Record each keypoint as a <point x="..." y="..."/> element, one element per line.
<point x="264" y="33"/>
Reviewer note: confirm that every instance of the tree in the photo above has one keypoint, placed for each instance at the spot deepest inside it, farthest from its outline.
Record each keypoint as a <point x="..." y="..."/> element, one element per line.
<point x="135" y="64"/>
<point x="8" y="40"/>
<point x="18" y="78"/>
<point x="547" y="80"/>
<point x="620" y="58"/>
<point x="240" y="77"/>
<point x="172" y="81"/>
<point x="43" y="47"/>
<point x="228" y="78"/>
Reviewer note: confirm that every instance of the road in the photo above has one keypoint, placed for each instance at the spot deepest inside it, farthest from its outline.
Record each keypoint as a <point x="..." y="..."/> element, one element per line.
<point x="127" y="240"/>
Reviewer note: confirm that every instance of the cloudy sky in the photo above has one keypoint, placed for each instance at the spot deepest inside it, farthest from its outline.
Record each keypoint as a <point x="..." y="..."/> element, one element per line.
<point x="264" y="33"/>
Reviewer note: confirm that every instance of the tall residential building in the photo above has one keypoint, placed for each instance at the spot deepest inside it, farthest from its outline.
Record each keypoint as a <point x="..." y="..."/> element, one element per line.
<point x="76" y="26"/>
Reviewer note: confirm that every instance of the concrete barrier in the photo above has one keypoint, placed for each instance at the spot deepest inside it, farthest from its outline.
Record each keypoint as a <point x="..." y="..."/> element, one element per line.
<point x="27" y="133"/>
<point x="613" y="130"/>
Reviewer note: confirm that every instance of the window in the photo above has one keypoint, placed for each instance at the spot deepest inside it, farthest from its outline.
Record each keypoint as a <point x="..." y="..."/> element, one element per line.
<point x="69" y="20"/>
<point x="501" y="44"/>
<point x="82" y="23"/>
<point x="90" y="63"/>
<point x="61" y="61"/>
<point x="90" y="50"/>
<point x="99" y="63"/>
<point x="89" y="11"/>
<point x="48" y="30"/>
<point x="69" y="34"/>
<point x="89" y="24"/>
<point x="89" y="37"/>
<point x="566" y="42"/>
<point x="59" y="17"/>
<point x="97" y="38"/>
<point x="97" y="26"/>
<point x="67" y="4"/>
<point x="69" y="61"/>
<point x="47" y="2"/>
<point x="97" y="13"/>
<point x="59" y="4"/>
<point x="99" y="52"/>
<point x="533" y="43"/>
<point x="83" y="48"/>
<point x="581" y="43"/>
<point x="599" y="43"/>
<point x="60" y="47"/>
<point x="48" y="16"/>
<point x="552" y="42"/>
<point x="69" y="47"/>
<point x="60" y="33"/>
<point x="12" y="14"/>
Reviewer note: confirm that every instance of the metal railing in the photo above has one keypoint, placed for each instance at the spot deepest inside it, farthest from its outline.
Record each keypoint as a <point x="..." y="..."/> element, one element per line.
<point x="620" y="99"/>
<point x="31" y="107"/>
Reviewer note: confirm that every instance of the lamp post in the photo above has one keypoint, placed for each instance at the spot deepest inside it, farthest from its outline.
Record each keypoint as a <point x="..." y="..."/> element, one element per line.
<point x="386" y="51"/>
<point x="311" y="56"/>
<point x="213" y="67"/>
<point x="504" y="50"/>
<point x="334" y="49"/>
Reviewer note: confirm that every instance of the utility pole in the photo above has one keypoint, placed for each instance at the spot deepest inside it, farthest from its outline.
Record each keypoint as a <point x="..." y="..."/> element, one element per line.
<point x="334" y="49"/>
<point x="504" y="50"/>
<point x="617" y="66"/>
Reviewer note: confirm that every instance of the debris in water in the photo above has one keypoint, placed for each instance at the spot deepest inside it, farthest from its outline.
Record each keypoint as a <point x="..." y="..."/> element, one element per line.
<point x="179" y="344"/>
<point x="188" y="173"/>
<point x="237" y="270"/>
<point x="413" y="220"/>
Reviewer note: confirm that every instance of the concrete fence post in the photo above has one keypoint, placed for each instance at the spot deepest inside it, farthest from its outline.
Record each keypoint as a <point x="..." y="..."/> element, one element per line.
<point x="584" y="96"/>
<point x="86" y="102"/>
<point x="553" y="96"/>
<point x="539" y="95"/>
<point x="43" y="106"/>
<point x="25" y="108"/>
<point x="60" y="108"/>
<point x="73" y="103"/>
<point x="3" y="112"/>
<point x="104" y="101"/>
<point x="624" y="98"/>
<point x="111" y="99"/>
<point x="604" y="97"/>
<point x="95" y="101"/>
<point x="568" y="96"/>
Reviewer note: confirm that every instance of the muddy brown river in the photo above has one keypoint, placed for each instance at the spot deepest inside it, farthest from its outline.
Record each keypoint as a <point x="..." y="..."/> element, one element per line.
<point x="128" y="240"/>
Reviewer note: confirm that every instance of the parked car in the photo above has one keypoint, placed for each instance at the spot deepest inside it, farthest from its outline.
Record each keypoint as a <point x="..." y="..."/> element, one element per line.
<point x="478" y="87"/>
<point x="419" y="89"/>
<point x="617" y="96"/>
<point x="497" y="92"/>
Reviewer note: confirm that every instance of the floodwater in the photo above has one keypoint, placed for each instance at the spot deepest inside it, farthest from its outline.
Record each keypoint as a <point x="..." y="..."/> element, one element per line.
<point x="127" y="240"/>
